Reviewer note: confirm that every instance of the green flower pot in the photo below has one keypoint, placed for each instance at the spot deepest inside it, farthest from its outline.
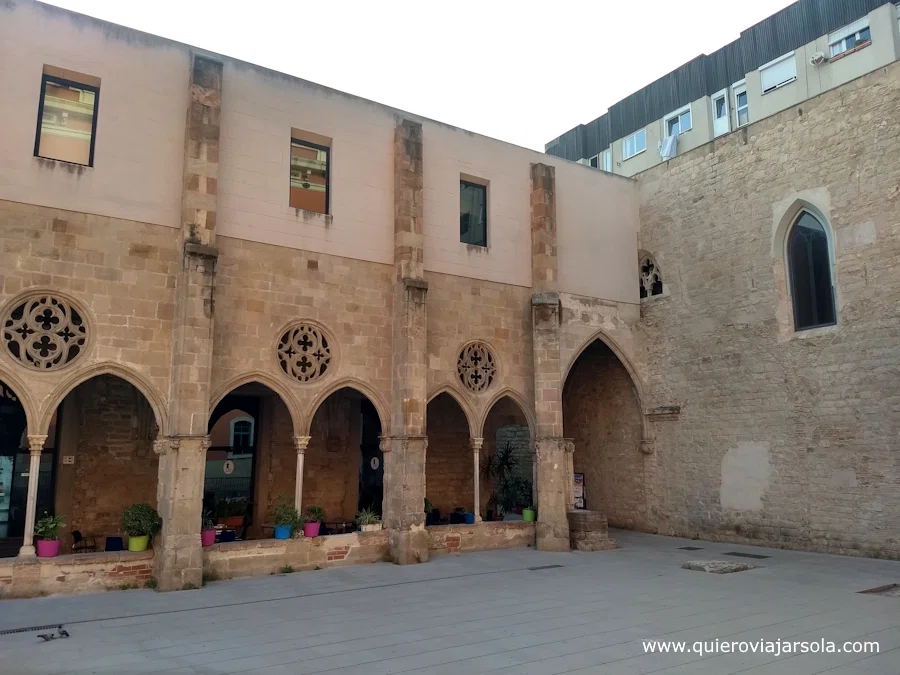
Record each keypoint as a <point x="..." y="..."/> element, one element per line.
<point x="528" y="515"/>
<point x="138" y="543"/>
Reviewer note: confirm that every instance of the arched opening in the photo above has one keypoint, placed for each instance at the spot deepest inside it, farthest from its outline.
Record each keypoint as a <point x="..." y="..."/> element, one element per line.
<point x="14" y="461"/>
<point x="98" y="460"/>
<point x="507" y="462"/>
<point x="344" y="467"/>
<point x="809" y="270"/>
<point x="250" y="440"/>
<point x="449" y="464"/>
<point x="602" y="414"/>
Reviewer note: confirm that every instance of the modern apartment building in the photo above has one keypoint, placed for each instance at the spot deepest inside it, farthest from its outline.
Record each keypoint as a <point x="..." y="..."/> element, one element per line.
<point x="810" y="47"/>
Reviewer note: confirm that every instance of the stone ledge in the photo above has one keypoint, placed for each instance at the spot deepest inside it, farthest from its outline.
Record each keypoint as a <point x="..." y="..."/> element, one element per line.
<point x="99" y="558"/>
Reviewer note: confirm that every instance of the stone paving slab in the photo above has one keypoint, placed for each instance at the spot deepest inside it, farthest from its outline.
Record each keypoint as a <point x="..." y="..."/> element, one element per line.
<point x="479" y="613"/>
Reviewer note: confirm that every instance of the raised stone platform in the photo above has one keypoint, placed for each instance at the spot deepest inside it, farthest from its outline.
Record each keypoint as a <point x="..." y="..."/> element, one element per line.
<point x="589" y="531"/>
<point x="78" y="573"/>
<point x="484" y="536"/>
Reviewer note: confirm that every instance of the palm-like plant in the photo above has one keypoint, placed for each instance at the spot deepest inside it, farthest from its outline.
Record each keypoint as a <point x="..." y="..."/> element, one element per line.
<point x="497" y="470"/>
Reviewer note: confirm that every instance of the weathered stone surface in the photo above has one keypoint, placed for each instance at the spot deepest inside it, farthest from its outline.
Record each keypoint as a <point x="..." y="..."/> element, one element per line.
<point x="588" y="531"/>
<point x="81" y="573"/>
<point x="485" y="536"/>
<point x="717" y="566"/>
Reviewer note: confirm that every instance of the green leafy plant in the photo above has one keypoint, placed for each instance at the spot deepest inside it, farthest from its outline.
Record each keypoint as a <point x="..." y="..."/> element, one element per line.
<point x="287" y="569"/>
<point x="315" y="514"/>
<point x="49" y="526"/>
<point x="507" y="490"/>
<point x="150" y="583"/>
<point x="229" y="508"/>
<point x="141" y="520"/>
<point x="429" y="507"/>
<point x="209" y="522"/>
<point x="284" y="512"/>
<point x="367" y="517"/>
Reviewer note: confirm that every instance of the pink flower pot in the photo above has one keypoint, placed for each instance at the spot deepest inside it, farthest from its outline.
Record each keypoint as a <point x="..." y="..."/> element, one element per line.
<point x="47" y="548"/>
<point x="311" y="529"/>
<point x="207" y="537"/>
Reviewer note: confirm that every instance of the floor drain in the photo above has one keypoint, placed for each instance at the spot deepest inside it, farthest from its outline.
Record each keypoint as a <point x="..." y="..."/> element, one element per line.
<point x="11" y="631"/>
<point x="690" y="548"/>
<point x="889" y="591"/>
<point x="543" y="567"/>
<point x="755" y="556"/>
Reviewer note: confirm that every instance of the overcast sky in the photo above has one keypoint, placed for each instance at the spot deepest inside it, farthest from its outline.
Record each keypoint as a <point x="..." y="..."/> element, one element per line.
<point x="523" y="71"/>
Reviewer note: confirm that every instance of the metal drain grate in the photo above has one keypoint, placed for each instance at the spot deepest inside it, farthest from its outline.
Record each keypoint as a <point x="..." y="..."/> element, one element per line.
<point x="543" y="567"/>
<point x="690" y="548"/>
<point x="755" y="556"/>
<point x="11" y="631"/>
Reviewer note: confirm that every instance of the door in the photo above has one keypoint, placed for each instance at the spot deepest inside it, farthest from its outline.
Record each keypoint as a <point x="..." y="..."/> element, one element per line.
<point x="720" y="113"/>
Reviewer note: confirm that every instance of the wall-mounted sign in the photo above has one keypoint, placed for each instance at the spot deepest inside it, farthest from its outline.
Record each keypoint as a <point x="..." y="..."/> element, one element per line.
<point x="579" y="490"/>
<point x="68" y="459"/>
<point x="228" y="467"/>
<point x="374" y="463"/>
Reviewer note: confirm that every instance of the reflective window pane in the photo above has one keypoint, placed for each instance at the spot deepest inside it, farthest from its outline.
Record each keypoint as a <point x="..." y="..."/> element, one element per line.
<point x="809" y="263"/>
<point x="67" y="122"/>
<point x="309" y="176"/>
<point x="472" y="214"/>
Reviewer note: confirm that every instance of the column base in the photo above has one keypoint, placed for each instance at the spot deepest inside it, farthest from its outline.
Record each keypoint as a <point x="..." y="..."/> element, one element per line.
<point x="550" y="537"/>
<point x="409" y="547"/>
<point x="180" y="568"/>
<point x="27" y="552"/>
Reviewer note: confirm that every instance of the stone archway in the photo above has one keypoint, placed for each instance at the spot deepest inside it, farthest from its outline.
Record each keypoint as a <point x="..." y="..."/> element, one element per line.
<point x="602" y="415"/>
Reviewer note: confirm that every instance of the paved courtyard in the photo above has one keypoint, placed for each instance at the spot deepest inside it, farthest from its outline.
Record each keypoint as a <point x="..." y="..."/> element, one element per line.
<point x="480" y="613"/>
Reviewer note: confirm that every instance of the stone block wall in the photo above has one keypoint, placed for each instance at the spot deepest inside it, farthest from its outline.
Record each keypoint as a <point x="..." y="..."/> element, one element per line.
<point x="784" y="438"/>
<point x="83" y="573"/>
<point x="449" y="469"/>
<point x="444" y="539"/>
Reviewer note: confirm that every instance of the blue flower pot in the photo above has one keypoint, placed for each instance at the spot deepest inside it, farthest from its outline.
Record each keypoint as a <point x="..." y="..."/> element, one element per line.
<point x="282" y="531"/>
<point x="470" y="519"/>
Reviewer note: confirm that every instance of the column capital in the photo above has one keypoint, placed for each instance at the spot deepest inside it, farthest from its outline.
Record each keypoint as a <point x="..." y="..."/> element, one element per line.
<point x="476" y="443"/>
<point x="165" y="445"/>
<point x="301" y="443"/>
<point x="384" y="444"/>
<point x="36" y="443"/>
<point x="569" y="445"/>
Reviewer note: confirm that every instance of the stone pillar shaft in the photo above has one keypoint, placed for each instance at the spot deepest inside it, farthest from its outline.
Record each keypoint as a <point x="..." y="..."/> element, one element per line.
<point x="300" y="442"/>
<point x="476" y="461"/>
<point x="36" y="445"/>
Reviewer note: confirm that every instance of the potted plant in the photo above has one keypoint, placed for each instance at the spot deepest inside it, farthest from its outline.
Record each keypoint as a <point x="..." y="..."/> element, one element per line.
<point x="528" y="514"/>
<point x="430" y="517"/>
<point x="46" y="532"/>
<point x="285" y="517"/>
<point x="208" y="530"/>
<point x="231" y="512"/>
<point x="368" y="521"/>
<point x="139" y="522"/>
<point x="313" y="517"/>
<point x="469" y="518"/>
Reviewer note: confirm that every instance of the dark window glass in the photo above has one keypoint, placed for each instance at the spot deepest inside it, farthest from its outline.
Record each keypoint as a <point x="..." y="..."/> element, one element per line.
<point x="595" y="161"/>
<point x="865" y="35"/>
<point x="809" y="265"/>
<point x="243" y="434"/>
<point x="472" y="214"/>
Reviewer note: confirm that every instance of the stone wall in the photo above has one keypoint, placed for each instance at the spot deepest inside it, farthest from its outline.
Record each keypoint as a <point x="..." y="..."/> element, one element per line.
<point x="445" y="539"/>
<point x="784" y="438"/>
<point x="602" y="415"/>
<point x="82" y="573"/>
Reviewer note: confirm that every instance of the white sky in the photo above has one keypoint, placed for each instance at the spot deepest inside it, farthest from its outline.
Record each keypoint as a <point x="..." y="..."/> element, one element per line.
<point x="523" y="71"/>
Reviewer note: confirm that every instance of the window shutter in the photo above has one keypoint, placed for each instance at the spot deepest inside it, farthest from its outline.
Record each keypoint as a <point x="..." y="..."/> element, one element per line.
<point x="779" y="72"/>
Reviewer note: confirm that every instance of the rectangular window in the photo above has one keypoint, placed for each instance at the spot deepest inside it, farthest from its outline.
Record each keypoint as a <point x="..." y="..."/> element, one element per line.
<point x="595" y="161"/>
<point x="741" y="106"/>
<point x="309" y="176"/>
<point x="67" y="121"/>
<point x="607" y="160"/>
<point x="778" y="73"/>
<point x="679" y="122"/>
<point x="472" y="213"/>
<point x="635" y="144"/>
<point x="850" y="37"/>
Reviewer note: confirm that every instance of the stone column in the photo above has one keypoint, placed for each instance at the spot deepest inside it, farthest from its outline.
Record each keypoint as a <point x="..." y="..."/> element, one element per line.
<point x="476" y="461"/>
<point x="404" y="466"/>
<point x="552" y="528"/>
<point x="182" y="464"/>
<point x="300" y="442"/>
<point x="569" y="447"/>
<point x="36" y="445"/>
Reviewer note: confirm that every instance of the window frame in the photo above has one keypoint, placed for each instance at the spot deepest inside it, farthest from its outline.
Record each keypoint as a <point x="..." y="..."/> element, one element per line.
<point x="771" y="64"/>
<point x="314" y="146"/>
<point x="723" y="96"/>
<point x="789" y="268"/>
<point x="236" y="421"/>
<point x="607" y="160"/>
<point x="678" y="114"/>
<point x="850" y="30"/>
<point x="484" y="208"/>
<point x="591" y="162"/>
<point x="634" y="136"/>
<point x="45" y="77"/>
<point x="737" y="89"/>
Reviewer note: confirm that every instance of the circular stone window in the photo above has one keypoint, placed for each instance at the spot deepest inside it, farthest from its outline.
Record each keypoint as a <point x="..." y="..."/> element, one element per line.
<point x="304" y="353"/>
<point x="476" y="367"/>
<point x="44" y="332"/>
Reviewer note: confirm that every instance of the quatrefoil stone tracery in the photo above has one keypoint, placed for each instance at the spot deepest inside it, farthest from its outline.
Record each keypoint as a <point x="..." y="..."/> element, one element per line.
<point x="44" y="332"/>
<point x="476" y="367"/>
<point x="304" y="353"/>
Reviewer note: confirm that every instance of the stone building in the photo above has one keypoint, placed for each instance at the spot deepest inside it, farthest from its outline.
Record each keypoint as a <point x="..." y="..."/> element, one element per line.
<point x="224" y="285"/>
